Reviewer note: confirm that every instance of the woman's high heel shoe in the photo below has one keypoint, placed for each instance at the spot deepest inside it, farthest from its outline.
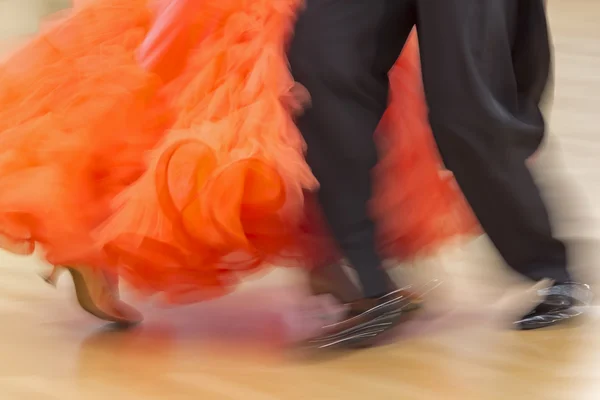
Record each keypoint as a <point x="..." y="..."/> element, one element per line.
<point x="97" y="295"/>
<point x="334" y="280"/>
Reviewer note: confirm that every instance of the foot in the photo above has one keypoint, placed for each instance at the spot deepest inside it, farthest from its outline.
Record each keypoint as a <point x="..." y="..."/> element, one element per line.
<point x="335" y="280"/>
<point x="364" y="321"/>
<point x="98" y="294"/>
<point x="561" y="302"/>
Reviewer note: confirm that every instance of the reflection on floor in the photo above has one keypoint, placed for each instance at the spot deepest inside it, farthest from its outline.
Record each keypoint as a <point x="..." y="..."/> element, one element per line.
<point x="232" y="348"/>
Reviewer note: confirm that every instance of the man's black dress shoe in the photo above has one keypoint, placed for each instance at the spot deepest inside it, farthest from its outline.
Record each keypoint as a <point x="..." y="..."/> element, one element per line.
<point x="365" y="320"/>
<point x="562" y="302"/>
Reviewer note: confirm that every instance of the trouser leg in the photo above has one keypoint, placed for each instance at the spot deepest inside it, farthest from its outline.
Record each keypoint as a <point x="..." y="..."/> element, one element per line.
<point x="485" y="66"/>
<point x="342" y="52"/>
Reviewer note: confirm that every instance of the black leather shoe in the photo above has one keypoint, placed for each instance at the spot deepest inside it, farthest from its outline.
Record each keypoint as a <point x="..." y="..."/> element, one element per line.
<point x="562" y="302"/>
<point x="366" y="319"/>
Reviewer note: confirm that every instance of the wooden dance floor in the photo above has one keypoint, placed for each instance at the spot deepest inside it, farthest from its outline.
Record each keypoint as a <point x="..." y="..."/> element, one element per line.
<point x="233" y="348"/>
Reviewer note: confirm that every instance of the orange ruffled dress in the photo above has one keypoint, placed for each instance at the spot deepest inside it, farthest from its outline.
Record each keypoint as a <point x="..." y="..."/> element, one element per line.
<point x="150" y="138"/>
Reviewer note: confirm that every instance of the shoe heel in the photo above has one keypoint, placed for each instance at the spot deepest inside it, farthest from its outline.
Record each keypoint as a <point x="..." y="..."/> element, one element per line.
<point x="52" y="277"/>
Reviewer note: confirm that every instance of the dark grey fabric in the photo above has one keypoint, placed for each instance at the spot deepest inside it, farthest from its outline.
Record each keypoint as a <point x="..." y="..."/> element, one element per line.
<point x="485" y="67"/>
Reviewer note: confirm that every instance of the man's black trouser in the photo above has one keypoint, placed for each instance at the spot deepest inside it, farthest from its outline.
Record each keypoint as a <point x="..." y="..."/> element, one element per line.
<point x="485" y="66"/>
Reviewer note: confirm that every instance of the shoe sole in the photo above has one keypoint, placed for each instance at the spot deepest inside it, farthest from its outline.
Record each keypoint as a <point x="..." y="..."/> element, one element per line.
<point x="363" y="335"/>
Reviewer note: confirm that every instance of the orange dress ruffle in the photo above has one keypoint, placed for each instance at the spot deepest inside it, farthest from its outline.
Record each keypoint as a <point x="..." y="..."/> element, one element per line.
<point x="223" y="190"/>
<point x="69" y="100"/>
